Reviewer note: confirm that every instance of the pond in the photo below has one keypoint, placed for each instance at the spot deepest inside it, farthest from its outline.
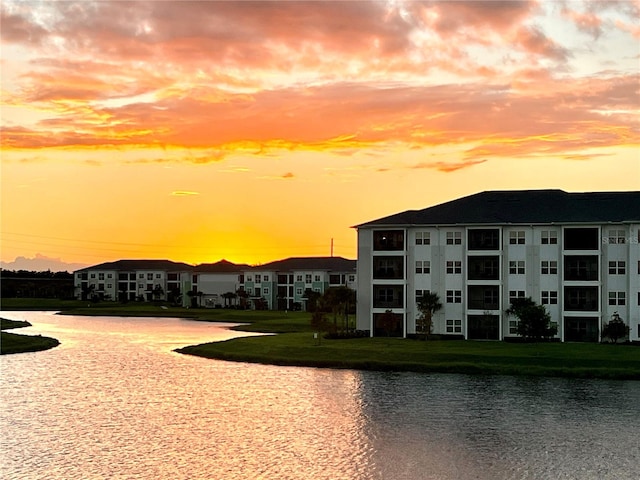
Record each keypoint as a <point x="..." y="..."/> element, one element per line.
<point x="113" y="401"/>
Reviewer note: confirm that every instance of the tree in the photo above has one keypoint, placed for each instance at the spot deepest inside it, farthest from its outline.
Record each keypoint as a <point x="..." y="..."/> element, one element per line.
<point x="615" y="329"/>
<point x="243" y="296"/>
<point x="312" y="298"/>
<point x="158" y="292"/>
<point x="339" y="300"/>
<point x="229" y="298"/>
<point x="319" y="322"/>
<point x="534" y="320"/>
<point x="428" y="304"/>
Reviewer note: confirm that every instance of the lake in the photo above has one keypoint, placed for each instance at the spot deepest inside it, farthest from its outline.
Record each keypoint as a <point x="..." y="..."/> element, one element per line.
<point x="113" y="401"/>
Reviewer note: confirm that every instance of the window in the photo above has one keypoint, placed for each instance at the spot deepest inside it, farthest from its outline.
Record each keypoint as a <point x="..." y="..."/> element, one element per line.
<point x="484" y="239"/>
<point x="307" y="278"/>
<point x="420" y="293"/>
<point x="638" y="298"/>
<point x="352" y="278"/>
<point x="483" y="297"/>
<point x="149" y="287"/>
<point x="581" y="239"/>
<point x="549" y="237"/>
<point x="389" y="240"/>
<point x="298" y="291"/>
<point x="388" y="267"/>
<point x="581" y="299"/>
<point x="423" y="238"/>
<point x="93" y="275"/>
<point x="423" y="266"/>
<point x="258" y="278"/>
<point x="388" y="296"/>
<point x="158" y="275"/>
<point x="454" y="326"/>
<point x="483" y="267"/>
<point x="516" y="267"/>
<point x="109" y="285"/>
<point x="617" y="268"/>
<point x="454" y="238"/>
<point x="101" y="287"/>
<point x="265" y="291"/>
<point x="265" y="278"/>
<point x="513" y="327"/>
<point x="249" y="279"/>
<point x="581" y="267"/>
<point x="549" y="267"/>
<point x="516" y="238"/>
<point x="549" y="297"/>
<point x="454" y="296"/>
<point x="616" y="237"/>
<point x="454" y="266"/>
<point x="317" y="278"/>
<point x="298" y="278"/>
<point x="101" y="276"/>
<point x="149" y="276"/>
<point x="617" y="298"/>
<point x="141" y="285"/>
<point x="515" y="294"/>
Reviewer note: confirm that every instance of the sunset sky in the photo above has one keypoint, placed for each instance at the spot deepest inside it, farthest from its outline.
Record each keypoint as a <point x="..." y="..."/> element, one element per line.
<point x="255" y="131"/>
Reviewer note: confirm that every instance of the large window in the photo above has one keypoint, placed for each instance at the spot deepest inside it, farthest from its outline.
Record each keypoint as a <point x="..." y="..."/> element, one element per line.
<point x="581" y="299"/>
<point x="483" y="297"/>
<point x="581" y="267"/>
<point x="483" y="327"/>
<point x="484" y="239"/>
<point x="581" y="239"/>
<point x="388" y="267"/>
<point x="388" y="240"/>
<point x="483" y="268"/>
<point x="388" y="296"/>
<point x="581" y="329"/>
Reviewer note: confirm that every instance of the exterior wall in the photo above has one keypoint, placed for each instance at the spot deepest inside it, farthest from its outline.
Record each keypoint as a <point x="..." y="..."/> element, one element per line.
<point x="214" y="285"/>
<point x="531" y="260"/>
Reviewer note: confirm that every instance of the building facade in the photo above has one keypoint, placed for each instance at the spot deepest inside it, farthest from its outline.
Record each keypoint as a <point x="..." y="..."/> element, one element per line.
<point x="279" y="285"/>
<point x="575" y="253"/>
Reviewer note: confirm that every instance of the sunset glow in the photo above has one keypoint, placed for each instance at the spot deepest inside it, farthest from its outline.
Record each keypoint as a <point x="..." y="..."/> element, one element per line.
<point x="254" y="131"/>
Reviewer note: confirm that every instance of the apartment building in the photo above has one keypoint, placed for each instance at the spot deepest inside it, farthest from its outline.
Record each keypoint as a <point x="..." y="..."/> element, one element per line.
<point x="279" y="285"/>
<point x="282" y="284"/>
<point x="575" y="253"/>
<point x="130" y="280"/>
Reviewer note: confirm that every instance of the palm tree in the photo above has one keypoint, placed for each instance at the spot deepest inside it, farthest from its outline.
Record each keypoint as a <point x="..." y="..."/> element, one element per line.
<point x="428" y="304"/>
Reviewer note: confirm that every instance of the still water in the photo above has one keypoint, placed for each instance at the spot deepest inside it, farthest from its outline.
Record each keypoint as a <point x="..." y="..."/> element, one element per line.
<point x="114" y="402"/>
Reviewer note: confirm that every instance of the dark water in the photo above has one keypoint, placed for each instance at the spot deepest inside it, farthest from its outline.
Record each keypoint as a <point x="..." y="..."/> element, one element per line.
<point x="114" y="402"/>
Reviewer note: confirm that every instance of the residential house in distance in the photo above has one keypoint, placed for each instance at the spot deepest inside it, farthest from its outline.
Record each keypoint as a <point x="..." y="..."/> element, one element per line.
<point x="282" y="284"/>
<point x="214" y="281"/>
<point x="575" y="253"/>
<point x="130" y="280"/>
<point x="277" y="285"/>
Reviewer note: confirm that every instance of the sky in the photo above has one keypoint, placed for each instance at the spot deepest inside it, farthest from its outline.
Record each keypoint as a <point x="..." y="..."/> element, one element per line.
<point x="256" y="131"/>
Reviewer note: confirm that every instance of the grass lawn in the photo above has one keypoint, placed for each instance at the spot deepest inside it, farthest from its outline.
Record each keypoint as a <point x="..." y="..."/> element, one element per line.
<point x="14" y="343"/>
<point x="296" y="346"/>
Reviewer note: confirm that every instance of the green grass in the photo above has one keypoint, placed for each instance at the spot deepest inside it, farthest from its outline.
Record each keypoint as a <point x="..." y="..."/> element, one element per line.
<point x="14" y="343"/>
<point x="295" y="345"/>
<point x="548" y="359"/>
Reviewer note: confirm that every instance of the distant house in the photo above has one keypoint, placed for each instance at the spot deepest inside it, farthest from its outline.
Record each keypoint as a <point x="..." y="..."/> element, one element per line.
<point x="575" y="253"/>
<point x="215" y="280"/>
<point x="130" y="280"/>
<point x="282" y="284"/>
<point x="277" y="285"/>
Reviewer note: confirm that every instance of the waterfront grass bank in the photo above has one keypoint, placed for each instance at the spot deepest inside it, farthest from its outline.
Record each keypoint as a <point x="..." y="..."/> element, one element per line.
<point x="14" y="343"/>
<point x="295" y="345"/>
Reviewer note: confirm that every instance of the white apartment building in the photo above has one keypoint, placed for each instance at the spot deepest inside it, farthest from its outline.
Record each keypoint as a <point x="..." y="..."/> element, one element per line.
<point x="575" y="253"/>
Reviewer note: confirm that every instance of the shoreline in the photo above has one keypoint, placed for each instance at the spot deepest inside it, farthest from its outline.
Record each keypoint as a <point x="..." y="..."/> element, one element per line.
<point x="296" y="345"/>
<point x="12" y="343"/>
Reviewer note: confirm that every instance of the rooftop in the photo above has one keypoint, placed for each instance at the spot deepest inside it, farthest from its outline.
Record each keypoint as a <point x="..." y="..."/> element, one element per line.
<point x="523" y="207"/>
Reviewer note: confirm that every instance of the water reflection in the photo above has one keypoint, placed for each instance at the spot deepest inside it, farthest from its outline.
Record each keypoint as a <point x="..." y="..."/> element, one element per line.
<point x="113" y="401"/>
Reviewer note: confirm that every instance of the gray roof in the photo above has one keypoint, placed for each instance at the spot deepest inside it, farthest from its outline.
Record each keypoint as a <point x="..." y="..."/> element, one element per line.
<point x="333" y="264"/>
<point x="130" y="265"/>
<point x="523" y="207"/>
<point x="223" y="266"/>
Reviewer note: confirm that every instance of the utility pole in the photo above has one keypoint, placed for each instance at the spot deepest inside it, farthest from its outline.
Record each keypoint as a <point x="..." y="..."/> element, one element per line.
<point x="332" y="247"/>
